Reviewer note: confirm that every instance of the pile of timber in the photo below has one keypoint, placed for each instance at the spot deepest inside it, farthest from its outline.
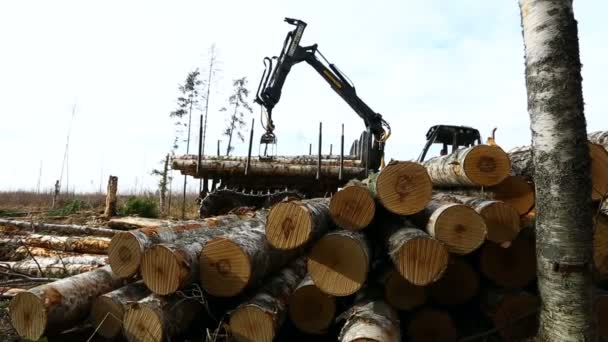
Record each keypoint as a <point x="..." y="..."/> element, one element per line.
<point x="438" y="251"/>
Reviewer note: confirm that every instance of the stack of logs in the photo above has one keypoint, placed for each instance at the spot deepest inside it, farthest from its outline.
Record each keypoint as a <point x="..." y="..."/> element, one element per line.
<point x="437" y="251"/>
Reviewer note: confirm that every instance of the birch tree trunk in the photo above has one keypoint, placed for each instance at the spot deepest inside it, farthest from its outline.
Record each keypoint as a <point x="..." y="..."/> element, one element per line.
<point x="562" y="171"/>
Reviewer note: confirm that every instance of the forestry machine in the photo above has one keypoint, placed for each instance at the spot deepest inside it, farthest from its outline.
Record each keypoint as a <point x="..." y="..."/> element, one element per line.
<point x="369" y="149"/>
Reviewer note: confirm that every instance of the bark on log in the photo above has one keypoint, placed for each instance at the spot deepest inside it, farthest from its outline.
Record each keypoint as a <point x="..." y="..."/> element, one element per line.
<point x="55" y="267"/>
<point x="400" y="293"/>
<point x="349" y="160"/>
<point x="127" y="248"/>
<point x="133" y="222"/>
<point x="240" y="259"/>
<point x="107" y="311"/>
<point x="60" y="229"/>
<point x="293" y="224"/>
<point x="459" y="227"/>
<point x="402" y="187"/>
<point x="111" y="208"/>
<point x="502" y="221"/>
<point x="159" y="318"/>
<point x="339" y="262"/>
<point x="459" y="284"/>
<point x="89" y="245"/>
<point x="24" y="252"/>
<point x="522" y="164"/>
<point x="512" y="267"/>
<point x="600" y="138"/>
<point x="61" y="304"/>
<point x="8" y="247"/>
<point x="353" y="207"/>
<point x="432" y="325"/>
<point x="480" y="165"/>
<point x="513" y="313"/>
<point x="259" y="318"/>
<point x="373" y="321"/>
<point x="418" y="257"/>
<point x="310" y="309"/>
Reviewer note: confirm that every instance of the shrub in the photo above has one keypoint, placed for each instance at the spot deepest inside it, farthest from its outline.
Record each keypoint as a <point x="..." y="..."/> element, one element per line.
<point x="140" y="206"/>
<point x="70" y="207"/>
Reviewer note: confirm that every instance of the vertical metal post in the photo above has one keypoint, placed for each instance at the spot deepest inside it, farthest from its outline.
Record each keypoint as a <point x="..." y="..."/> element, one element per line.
<point x="200" y="150"/>
<point x="310" y="149"/>
<point x="218" y="147"/>
<point x="249" y="151"/>
<point x="368" y="148"/>
<point x="320" y="146"/>
<point x="331" y="148"/>
<point x="341" y="154"/>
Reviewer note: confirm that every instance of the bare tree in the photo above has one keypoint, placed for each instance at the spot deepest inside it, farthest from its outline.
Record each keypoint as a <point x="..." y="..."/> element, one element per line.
<point x="562" y="170"/>
<point x="237" y="102"/>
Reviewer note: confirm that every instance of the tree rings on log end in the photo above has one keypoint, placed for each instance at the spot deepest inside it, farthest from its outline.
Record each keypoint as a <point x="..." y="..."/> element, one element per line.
<point x="513" y="267"/>
<point x="125" y="254"/>
<point x="401" y="294"/>
<point x="502" y="221"/>
<point x="486" y="165"/>
<point x="106" y="316"/>
<point x="599" y="171"/>
<point x="517" y="192"/>
<point x="353" y="207"/>
<point x="338" y="264"/>
<point x="311" y="310"/>
<point x="28" y="315"/>
<point x="142" y="324"/>
<point x="460" y="227"/>
<point x="288" y="226"/>
<point x="422" y="260"/>
<point x="461" y="276"/>
<point x="162" y="271"/>
<point x="251" y="323"/>
<point x="225" y="269"/>
<point x="432" y="325"/>
<point x="404" y="188"/>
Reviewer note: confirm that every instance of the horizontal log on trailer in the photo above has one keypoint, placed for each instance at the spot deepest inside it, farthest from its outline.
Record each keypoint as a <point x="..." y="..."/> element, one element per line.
<point x="76" y="244"/>
<point x="107" y="311"/>
<point x="479" y="165"/>
<point x="61" y="304"/>
<point x="301" y="159"/>
<point x="259" y="318"/>
<point x="60" y="229"/>
<point x="371" y="320"/>
<point x="432" y="325"/>
<point x="513" y="313"/>
<point x="522" y="164"/>
<point x="134" y="222"/>
<point x="310" y="309"/>
<point x="292" y="224"/>
<point x="54" y="267"/>
<point x="222" y="168"/>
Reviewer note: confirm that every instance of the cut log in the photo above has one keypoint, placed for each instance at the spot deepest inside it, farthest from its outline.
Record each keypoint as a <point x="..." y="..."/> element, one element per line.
<point x="259" y="318"/>
<point x="502" y="221"/>
<point x="459" y="284"/>
<point x="310" y="309"/>
<point x="59" y="305"/>
<point x="371" y="321"/>
<point x="402" y="187"/>
<point x="513" y="267"/>
<point x="24" y="252"/>
<point x="295" y="223"/>
<point x="432" y="325"/>
<point x="158" y="318"/>
<point x="8" y="247"/>
<point x="514" y="314"/>
<point x="89" y="245"/>
<point x="522" y="164"/>
<point x="127" y="248"/>
<point x="479" y="165"/>
<point x="418" y="257"/>
<point x="240" y="259"/>
<point x="339" y="262"/>
<point x="602" y="315"/>
<point x="60" y="229"/>
<point x="600" y="244"/>
<point x="349" y="160"/>
<point x="108" y="310"/>
<point x="111" y="207"/>
<point x="599" y="137"/>
<point x="134" y="222"/>
<point x="400" y="293"/>
<point x="353" y="207"/>
<point x="459" y="227"/>
<point x="55" y="267"/>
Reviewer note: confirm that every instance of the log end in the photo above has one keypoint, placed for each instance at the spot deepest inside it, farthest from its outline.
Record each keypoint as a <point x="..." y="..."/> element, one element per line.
<point x="517" y="192"/>
<point x="311" y="310"/>
<point x="28" y="315"/>
<point x="459" y="275"/>
<point x="225" y="269"/>
<point x="460" y="227"/>
<point x="513" y="267"/>
<point x="250" y="323"/>
<point x="352" y="208"/>
<point x="432" y="325"/>
<point x="161" y="270"/>
<point x="288" y="226"/>
<point x="487" y="165"/>
<point x="602" y="316"/>
<point x="512" y="307"/>
<point x="404" y="188"/>
<point x="125" y="254"/>
<point x="599" y="171"/>
<point x="106" y="316"/>
<point x="502" y="221"/>
<point x="401" y="294"/>
<point x="600" y="245"/>
<point x="142" y="324"/>
<point x="338" y="264"/>
<point x="422" y="261"/>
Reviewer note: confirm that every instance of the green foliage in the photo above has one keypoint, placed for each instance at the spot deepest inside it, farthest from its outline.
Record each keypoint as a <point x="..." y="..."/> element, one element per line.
<point x="185" y="102"/>
<point x="239" y="104"/>
<point x="140" y="206"/>
<point x="70" y="207"/>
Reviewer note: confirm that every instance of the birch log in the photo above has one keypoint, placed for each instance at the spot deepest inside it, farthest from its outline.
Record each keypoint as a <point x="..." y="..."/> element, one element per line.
<point x="512" y="267"/>
<point x="59" y="305"/>
<point x="24" y="252"/>
<point x="513" y="313"/>
<point x="353" y="207"/>
<point x="600" y="138"/>
<point x="479" y="165"/>
<point x="400" y="293"/>
<point x="59" y="229"/>
<point x="310" y="309"/>
<point x="293" y="224"/>
<point x="432" y="325"/>
<point x="372" y="321"/>
<point x="133" y="222"/>
<point x="83" y="244"/>
<point x="55" y="267"/>
<point x="459" y="275"/>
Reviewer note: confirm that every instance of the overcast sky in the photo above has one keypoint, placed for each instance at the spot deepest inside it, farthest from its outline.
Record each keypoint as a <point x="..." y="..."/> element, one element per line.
<point x="418" y="63"/>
